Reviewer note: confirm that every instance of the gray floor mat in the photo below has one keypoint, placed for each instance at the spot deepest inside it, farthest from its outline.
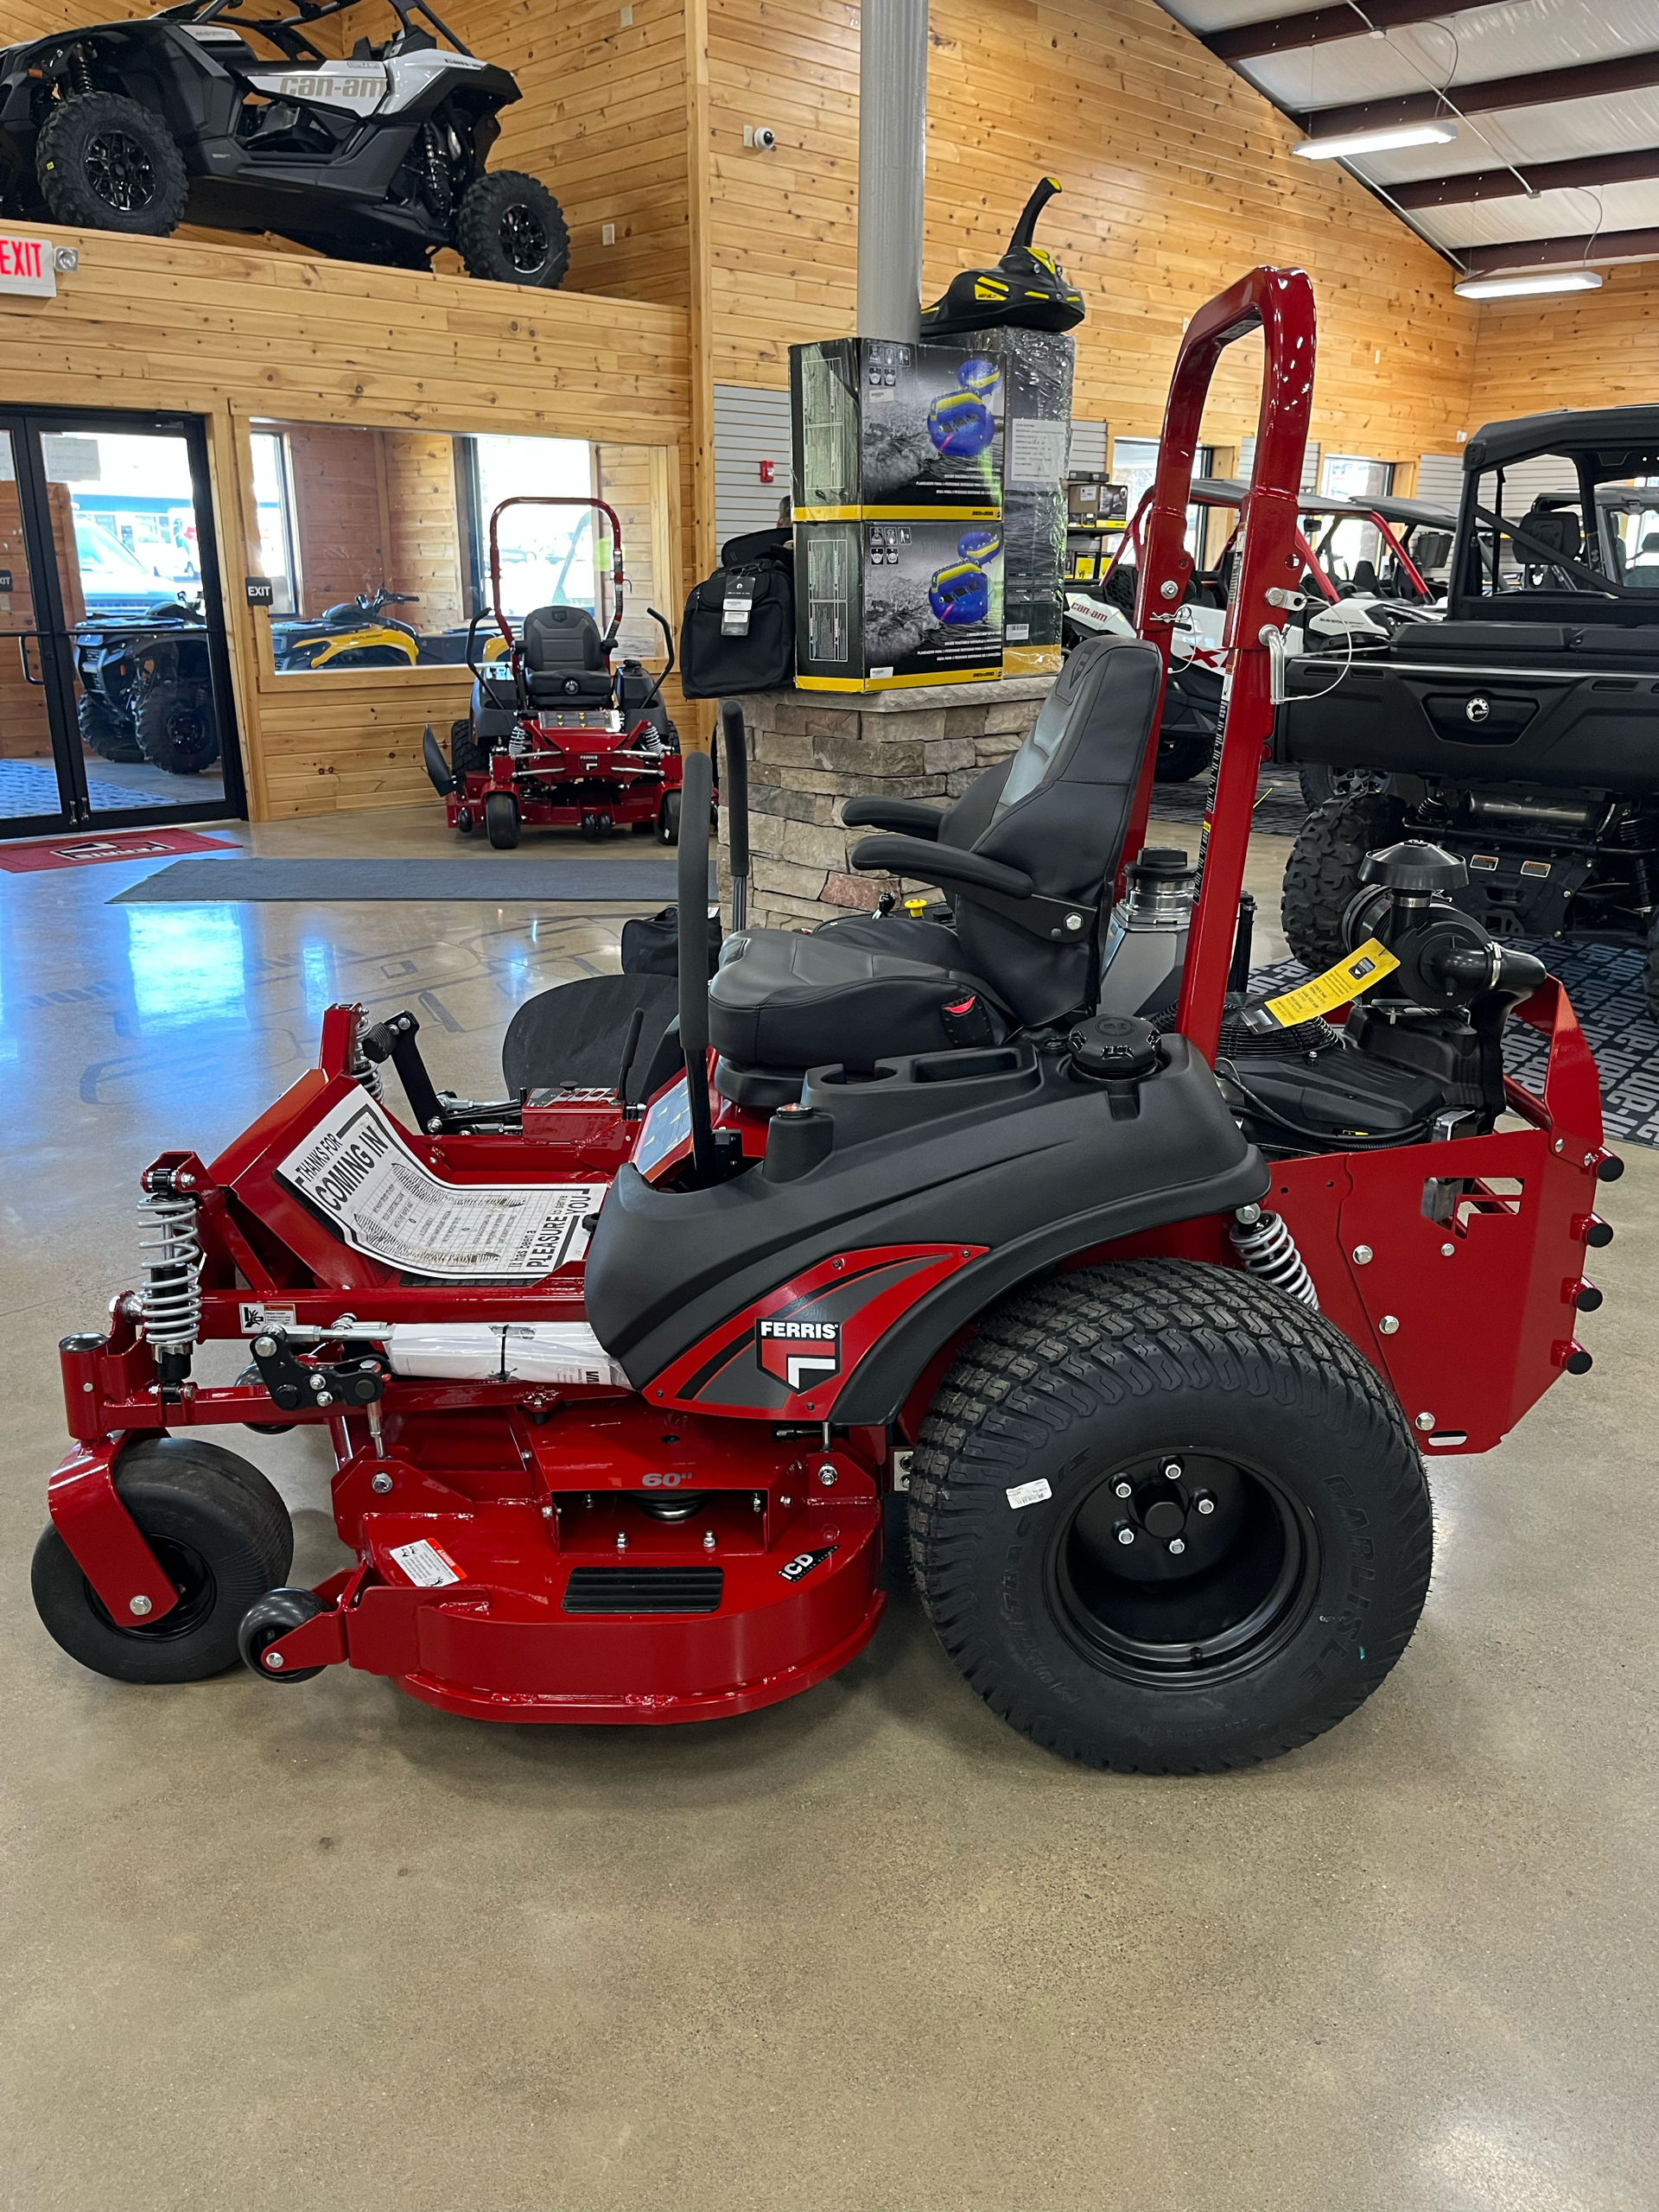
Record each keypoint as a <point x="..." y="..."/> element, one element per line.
<point x="336" y="882"/>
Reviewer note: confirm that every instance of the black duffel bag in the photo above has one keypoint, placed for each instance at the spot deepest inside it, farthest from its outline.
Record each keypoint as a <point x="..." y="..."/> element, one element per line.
<point x="739" y="631"/>
<point x="651" y="943"/>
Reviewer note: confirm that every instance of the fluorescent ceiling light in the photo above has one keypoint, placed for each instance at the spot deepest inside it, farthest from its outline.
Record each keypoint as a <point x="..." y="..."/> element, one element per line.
<point x="1376" y="142"/>
<point x="1524" y="287"/>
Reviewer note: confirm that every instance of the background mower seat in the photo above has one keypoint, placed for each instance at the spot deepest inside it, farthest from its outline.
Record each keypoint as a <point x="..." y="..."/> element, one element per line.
<point x="1027" y="857"/>
<point x="575" y="1034"/>
<point x="564" y="658"/>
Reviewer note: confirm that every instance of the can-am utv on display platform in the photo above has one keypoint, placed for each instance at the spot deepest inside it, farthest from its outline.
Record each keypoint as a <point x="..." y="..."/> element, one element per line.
<point x="617" y="1395"/>
<point x="1522" y="733"/>
<point x="224" y="113"/>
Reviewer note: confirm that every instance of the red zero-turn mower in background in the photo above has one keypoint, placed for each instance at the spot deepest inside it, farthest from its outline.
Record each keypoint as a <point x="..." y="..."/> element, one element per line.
<point x="1153" y="1320"/>
<point x="557" y="738"/>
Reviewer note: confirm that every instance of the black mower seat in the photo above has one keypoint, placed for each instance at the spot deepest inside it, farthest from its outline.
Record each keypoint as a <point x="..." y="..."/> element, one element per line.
<point x="786" y="999"/>
<point x="575" y="1034"/>
<point x="564" y="658"/>
<point x="1029" y="882"/>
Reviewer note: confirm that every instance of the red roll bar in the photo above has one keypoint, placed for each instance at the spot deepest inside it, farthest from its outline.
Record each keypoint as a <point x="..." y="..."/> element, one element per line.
<point x="552" y="500"/>
<point x="1280" y="303"/>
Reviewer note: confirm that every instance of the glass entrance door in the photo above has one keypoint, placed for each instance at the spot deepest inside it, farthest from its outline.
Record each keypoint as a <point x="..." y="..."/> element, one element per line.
<point x="114" y="698"/>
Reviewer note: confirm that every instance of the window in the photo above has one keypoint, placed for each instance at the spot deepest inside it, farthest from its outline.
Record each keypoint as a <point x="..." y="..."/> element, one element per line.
<point x="377" y="541"/>
<point x="274" y="506"/>
<point x="1346" y="476"/>
<point x="1134" y="463"/>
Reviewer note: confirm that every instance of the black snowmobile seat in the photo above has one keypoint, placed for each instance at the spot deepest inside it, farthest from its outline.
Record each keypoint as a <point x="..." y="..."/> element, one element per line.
<point x="1029" y="881"/>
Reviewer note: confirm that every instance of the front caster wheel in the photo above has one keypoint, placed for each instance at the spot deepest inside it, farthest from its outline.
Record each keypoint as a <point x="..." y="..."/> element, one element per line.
<point x="269" y="1619"/>
<point x="501" y="820"/>
<point x="222" y="1536"/>
<point x="1167" y="1521"/>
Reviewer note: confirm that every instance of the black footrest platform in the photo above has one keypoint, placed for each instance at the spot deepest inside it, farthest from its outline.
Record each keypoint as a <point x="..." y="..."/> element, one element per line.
<point x="644" y="1590"/>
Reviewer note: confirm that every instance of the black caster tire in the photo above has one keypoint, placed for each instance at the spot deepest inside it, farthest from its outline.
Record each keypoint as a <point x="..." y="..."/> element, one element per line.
<point x="248" y="1379"/>
<point x="1301" y="1516"/>
<point x="267" y="1620"/>
<point x="668" y="821"/>
<point x="464" y="821"/>
<point x="218" y="1528"/>
<point x="511" y="229"/>
<point x="178" y="730"/>
<point x="106" y="163"/>
<point x="1322" y="875"/>
<point x="501" y="821"/>
<point x="105" y="732"/>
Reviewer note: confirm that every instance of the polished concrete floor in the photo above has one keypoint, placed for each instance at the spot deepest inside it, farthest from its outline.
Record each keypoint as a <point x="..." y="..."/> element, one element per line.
<point x="866" y="1952"/>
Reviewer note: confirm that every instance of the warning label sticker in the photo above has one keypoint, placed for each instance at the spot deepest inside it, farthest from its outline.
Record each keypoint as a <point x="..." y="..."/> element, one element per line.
<point x="356" y="1170"/>
<point x="427" y="1566"/>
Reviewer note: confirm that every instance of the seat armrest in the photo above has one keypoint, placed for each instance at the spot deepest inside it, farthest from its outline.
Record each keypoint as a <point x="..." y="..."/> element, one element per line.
<point x="908" y="815"/>
<point x="940" y="864"/>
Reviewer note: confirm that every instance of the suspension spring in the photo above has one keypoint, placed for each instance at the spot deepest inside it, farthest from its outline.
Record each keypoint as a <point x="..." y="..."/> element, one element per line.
<point x="80" y="74"/>
<point x="1268" y="1252"/>
<point x="440" y="187"/>
<point x="171" y="1297"/>
<point x="364" y="1071"/>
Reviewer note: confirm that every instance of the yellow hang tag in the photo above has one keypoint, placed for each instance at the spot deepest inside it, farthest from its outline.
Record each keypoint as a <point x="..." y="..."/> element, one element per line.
<point x="1338" y="986"/>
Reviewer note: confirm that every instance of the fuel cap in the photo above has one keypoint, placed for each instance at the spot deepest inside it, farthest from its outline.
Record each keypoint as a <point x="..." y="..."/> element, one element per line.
<point x="1114" y="1047"/>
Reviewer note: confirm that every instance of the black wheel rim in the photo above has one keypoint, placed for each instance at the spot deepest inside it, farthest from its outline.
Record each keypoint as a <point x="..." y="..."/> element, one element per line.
<point x="185" y="730"/>
<point x="1217" y="1576"/>
<point x="190" y="1575"/>
<point x="118" y="171"/>
<point x="524" y="239"/>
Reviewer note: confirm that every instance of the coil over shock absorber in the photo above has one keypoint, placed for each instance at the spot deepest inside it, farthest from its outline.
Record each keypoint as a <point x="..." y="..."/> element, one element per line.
<point x="1268" y="1251"/>
<point x="171" y="1298"/>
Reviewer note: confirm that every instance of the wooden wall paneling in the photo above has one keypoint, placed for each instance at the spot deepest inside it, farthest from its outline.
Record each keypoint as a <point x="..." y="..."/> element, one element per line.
<point x="334" y="470"/>
<point x="424" y="527"/>
<point x="25" y="734"/>
<point x="1589" y="349"/>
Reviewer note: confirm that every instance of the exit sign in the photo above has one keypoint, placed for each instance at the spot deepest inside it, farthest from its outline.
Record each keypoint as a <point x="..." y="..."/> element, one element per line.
<point x="28" y="264"/>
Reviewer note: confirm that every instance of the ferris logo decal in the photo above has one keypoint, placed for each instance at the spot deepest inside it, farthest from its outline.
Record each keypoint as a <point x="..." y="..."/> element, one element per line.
<point x="803" y="1562"/>
<point x="799" y="1353"/>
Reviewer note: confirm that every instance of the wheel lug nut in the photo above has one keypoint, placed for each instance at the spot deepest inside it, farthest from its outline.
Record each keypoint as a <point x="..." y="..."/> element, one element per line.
<point x="1205" y="1504"/>
<point x="1178" y="1545"/>
<point x="1122" y="1490"/>
<point x="1125" y="1534"/>
<point x="1173" y="1470"/>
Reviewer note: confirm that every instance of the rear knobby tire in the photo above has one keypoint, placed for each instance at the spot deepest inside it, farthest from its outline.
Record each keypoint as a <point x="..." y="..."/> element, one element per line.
<point x="105" y="732"/>
<point x="177" y="729"/>
<point x="511" y="229"/>
<point x="1322" y="873"/>
<point x="1651" y="979"/>
<point x="467" y="756"/>
<point x="221" y="1533"/>
<point x="1297" y="1592"/>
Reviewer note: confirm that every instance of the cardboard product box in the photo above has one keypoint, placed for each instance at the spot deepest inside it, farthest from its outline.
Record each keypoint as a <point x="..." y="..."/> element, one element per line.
<point x="882" y="432"/>
<point x="883" y="606"/>
<point x="1093" y="501"/>
<point x="1038" y="368"/>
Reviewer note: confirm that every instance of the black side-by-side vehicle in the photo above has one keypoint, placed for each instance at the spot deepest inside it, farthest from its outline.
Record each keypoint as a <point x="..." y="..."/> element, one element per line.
<point x="1522" y="733"/>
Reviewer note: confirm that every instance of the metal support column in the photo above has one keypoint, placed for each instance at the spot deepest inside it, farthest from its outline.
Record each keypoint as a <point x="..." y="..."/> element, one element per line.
<point x="892" y="161"/>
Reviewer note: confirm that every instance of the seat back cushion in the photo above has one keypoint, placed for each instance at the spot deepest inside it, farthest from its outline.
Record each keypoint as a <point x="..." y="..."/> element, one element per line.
<point x="560" y="638"/>
<point x="1061" y="816"/>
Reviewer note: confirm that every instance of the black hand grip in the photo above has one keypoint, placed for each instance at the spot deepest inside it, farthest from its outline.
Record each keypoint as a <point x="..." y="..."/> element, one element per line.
<point x="737" y="808"/>
<point x="697" y="797"/>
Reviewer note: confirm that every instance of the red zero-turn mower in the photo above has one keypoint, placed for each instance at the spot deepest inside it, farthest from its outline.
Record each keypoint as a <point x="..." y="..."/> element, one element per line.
<point x="1153" y="1321"/>
<point x="557" y="738"/>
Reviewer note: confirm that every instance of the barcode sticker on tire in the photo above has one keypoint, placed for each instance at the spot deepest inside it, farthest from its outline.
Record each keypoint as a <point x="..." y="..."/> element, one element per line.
<point x="1029" y="1493"/>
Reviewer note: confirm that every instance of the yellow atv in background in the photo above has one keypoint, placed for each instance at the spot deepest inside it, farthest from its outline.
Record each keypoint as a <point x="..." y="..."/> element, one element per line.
<point x="352" y="635"/>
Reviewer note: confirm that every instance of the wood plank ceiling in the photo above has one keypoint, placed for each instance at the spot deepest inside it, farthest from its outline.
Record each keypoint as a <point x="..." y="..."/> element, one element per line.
<point x="1555" y="105"/>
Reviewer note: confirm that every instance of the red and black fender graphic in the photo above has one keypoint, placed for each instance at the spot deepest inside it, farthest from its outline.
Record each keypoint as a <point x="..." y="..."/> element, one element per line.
<point x="791" y="1352"/>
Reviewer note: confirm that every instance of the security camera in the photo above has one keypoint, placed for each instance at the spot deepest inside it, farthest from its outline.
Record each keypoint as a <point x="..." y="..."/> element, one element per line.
<point x="764" y="137"/>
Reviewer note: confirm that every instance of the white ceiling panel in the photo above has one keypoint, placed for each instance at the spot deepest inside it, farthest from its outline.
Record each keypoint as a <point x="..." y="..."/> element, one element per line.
<point x="1206" y="16"/>
<point x="1551" y="215"/>
<point x="1468" y="49"/>
<point x="1623" y="122"/>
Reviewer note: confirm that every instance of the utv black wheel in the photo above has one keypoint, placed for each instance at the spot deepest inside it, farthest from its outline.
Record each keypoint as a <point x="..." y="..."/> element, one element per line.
<point x="1322" y="873"/>
<point x="1157" y="1623"/>
<point x="269" y="1619"/>
<point x="104" y="163"/>
<point x="668" y="820"/>
<point x="221" y="1534"/>
<point x="1320" y="783"/>
<point x="1180" y="759"/>
<point x="103" y="731"/>
<point x="501" y="820"/>
<point x="511" y="229"/>
<point x="177" y="729"/>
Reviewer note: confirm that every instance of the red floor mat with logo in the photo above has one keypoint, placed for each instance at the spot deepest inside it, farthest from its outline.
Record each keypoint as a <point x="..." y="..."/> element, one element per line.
<point x="24" y="858"/>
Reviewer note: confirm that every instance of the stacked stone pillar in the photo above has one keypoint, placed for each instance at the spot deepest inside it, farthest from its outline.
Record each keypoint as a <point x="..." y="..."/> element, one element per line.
<point x="810" y="750"/>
